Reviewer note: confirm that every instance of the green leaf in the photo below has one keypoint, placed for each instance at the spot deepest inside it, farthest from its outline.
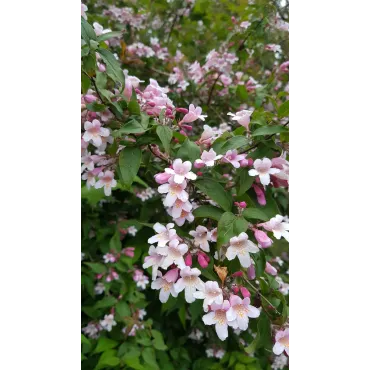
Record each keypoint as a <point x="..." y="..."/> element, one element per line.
<point x="132" y="361"/>
<point x="123" y="310"/>
<point x="105" y="302"/>
<point x="87" y="32"/>
<point x="259" y="262"/>
<point x="284" y="314"/>
<point x="255" y="213"/>
<point x="208" y="212"/>
<point x="189" y="151"/>
<point x="134" y="107"/>
<point x="104" y="344"/>
<point x="115" y="242"/>
<point x="129" y="164"/>
<point x="98" y="268"/>
<point x="196" y="310"/>
<point x="263" y="331"/>
<point x="84" y="340"/>
<point x="241" y="92"/>
<point x="245" y="181"/>
<point x="228" y="226"/>
<point x="158" y="342"/>
<point x="234" y="143"/>
<point x="165" y="135"/>
<point x="109" y="359"/>
<point x="269" y="130"/>
<point x="95" y="107"/>
<point x="149" y="358"/>
<point x="216" y="192"/>
<point x="182" y="316"/>
<point x="113" y="68"/>
<point x="109" y="35"/>
<point x="133" y="127"/>
<point x="283" y="110"/>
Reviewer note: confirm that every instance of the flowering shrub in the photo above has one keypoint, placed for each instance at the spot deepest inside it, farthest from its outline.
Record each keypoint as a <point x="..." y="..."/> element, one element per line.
<point x="185" y="179"/>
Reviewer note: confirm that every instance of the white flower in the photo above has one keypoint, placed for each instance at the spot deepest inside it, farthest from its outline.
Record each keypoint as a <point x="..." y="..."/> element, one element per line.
<point x="92" y="330"/>
<point x="263" y="169"/>
<point x="180" y="206"/>
<point x="166" y="286"/>
<point x="141" y="314"/>
<point x="196" y="335"/>
<point x="154" y="260"/>
<point x="218" y="318"/>
<point x="201" y="236"/>
<point x="278" y="227"/>
<point x="190" y="282"/>
<point x="174" y="191"/>
<point x="240" y="246"/>
<point x="174" y="254"/>
<point x="164" y="234"/>
<point x="208" y="158"/>
<point x="99" y="288"/>
<point x="132" y="230"/>
<point x="90" y="178"/>
<point x="106" y="180"/>
<point x="243" y="117"/>
<point x="94" y="132"/>
<point x="211" y="293"/>
<point x="181" y="171"/>
<point x="233" y="157"/>
<point x="183" y="216"/>
<point x="245" y="24"/>
<point x="108" y="322"/>
<point x="282" y="342"/>
<point x="87" y="163"/>
<point x="240" y="311"/>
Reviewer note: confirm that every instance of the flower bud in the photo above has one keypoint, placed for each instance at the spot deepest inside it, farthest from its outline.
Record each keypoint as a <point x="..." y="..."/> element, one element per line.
<point x="182" y="132"/>
<point x="168" y="112"/>
<point x="237" y="274"/>
<point x="245" y="292"/>
<point x="251" y="272"/>
<point x="129" y="252"/>
<point x="199" y="165"/>
<point x="89" y="98"/>
<point x="243" y="205"/>
<point x="270" y="269"/>
<point x="188" y="260"/>
<point x="101" y="67"/>
<point x="236" y="204"/>
<point x="199" y="173"/>
<point x="162" y="178"/>
<point x="187" y="127"/>
<point x="235" y="289"/>
<point x="202" y="260"/>
<point x="151" y="104"/>
<point x="260" y="195"/>
<point x="172" y="275"/>
<point x="244" y="163"/>
<point x="262" y="238"/>
<point x="182" y="110"/>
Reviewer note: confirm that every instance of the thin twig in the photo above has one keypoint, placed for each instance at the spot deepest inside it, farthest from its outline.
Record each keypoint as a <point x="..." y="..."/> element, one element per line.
<point x="212" y="88"/>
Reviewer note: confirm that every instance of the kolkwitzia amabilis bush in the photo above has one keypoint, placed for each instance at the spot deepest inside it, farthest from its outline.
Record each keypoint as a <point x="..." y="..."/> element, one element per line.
<point x="185" y="179"/>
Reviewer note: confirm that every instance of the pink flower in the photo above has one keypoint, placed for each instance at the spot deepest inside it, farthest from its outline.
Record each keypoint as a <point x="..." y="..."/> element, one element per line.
<point x="154" y="260"/>
<point x="240" y="311"/>
<point x="233" y="157"/>
<point x="164" y="234"/>
<point x="245" y="292"/>
<point x="261" y="199"/>
<point x="83" y="10"/>
<point x="109" y="257"/>
<point x="179" y="206"/>
<point x="270" y="269"/>
<point x="284" y="67"/>
<point x="181" y="171"/>
<point x="106" y="180"/>
<point x="263" y="240"/>
<point x="201" y="237"/>
<point x="166" y="285"/>
<point x="243" y="117"/>
<point x="193" y="114"/>
<point x="94" y="132"/>
<point x="278" y="227"/>
<point x="129" y="251"/>
<point x="241" y="246"/>
<point x="162" y="178"/>
<point x="203" y="260"/>
<point x="130" y="83"/>
<point x="185" y="215"/>
<point x="282" y="342"/>
<point x="273" y="47"/>
<point x="211" y="293"/>
<point x="208" y="158"/>
<point x="174" y="253"/>
<point x="190" y="282"/>
<point x="218" y="318"/>
<point x="174" y="191"/>
<point x="262" y="168"/>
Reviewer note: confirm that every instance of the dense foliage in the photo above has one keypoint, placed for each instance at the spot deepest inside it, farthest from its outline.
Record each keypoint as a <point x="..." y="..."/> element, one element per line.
<point x="185" y="179"/>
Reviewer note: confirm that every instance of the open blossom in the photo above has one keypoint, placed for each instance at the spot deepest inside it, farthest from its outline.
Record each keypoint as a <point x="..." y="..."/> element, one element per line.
<point x="94" y="132"/>
<point x="211" y="293"/>
<point x="243" y="117"/>
<point x="166" y="285"/>
<point x="263" y="169"/>
<point x="108" y="322"/>
<point x="273" y="47"/>
<point x="109" y="257"/>
<point x="218" y="318"/>
<point x="180" y="206"/>
<point x="185" y="215"/>
<point x="106" y="180"/>
<point x="278" y="227"/>
<point x="174" y="253"/>
<point x="83" y="10"/>
<point x="132" y="230"/>
<point x="208" y="158"/>
<point x="241" y="310"/>
<point x="140" y="279"/>
<point x="99" y="30"/>
<point x="245" y="24"/>
<point x="190" y="282"/>
<point x="174" y="191"/>
<point x="164" y="234"/>
<point x="201" y="236"/>
<point x="92" y="330"/>
<point x="233" y="157"/>
<point x="282" y="342"/>
<point x="130" y="83"/>
<point x="181" y="171"/>
<point x="99" y="288"/>
<point x="193" y="114"/>
<point x="154" y="260"/>
<point x="241" y="246"/>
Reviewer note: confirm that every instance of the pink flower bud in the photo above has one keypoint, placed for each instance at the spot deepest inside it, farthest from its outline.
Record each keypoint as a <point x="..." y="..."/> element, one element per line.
<point x="129" y="252"/>
<point x="162" y="178"/>
<point x="251" y="272"/>
<point x="187" y="127"/>
<point x="101" y="67"/>
<point x="199" y="173"/>
<point x="235" y="289"/>
<point x="262" y="238"/>
<point x="236" y="204"/>
<point x="151" y="104"/>
<point x="149" y="113"/>
<point x="171" y="116"/>
<point x="182" y="110"/>
<point x="243" y="205"/>
<point x="244" y="163"/>
<point x="237" y="274"/>
<point x="202" y="260"/>
<point x="245" y="292"/>
<point x="260" y="195"/>
<point x="270" y="269"/>
<point x="199" y="165"/>
<point x="172" y="275"/>
<point x="168" y="111"/>
<point x="99" y="276"/>
<point x="188" y="260"/>
<point x="182" y="132"/>
<point x="250" y="162"/>
<point x="89" y="98"/>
